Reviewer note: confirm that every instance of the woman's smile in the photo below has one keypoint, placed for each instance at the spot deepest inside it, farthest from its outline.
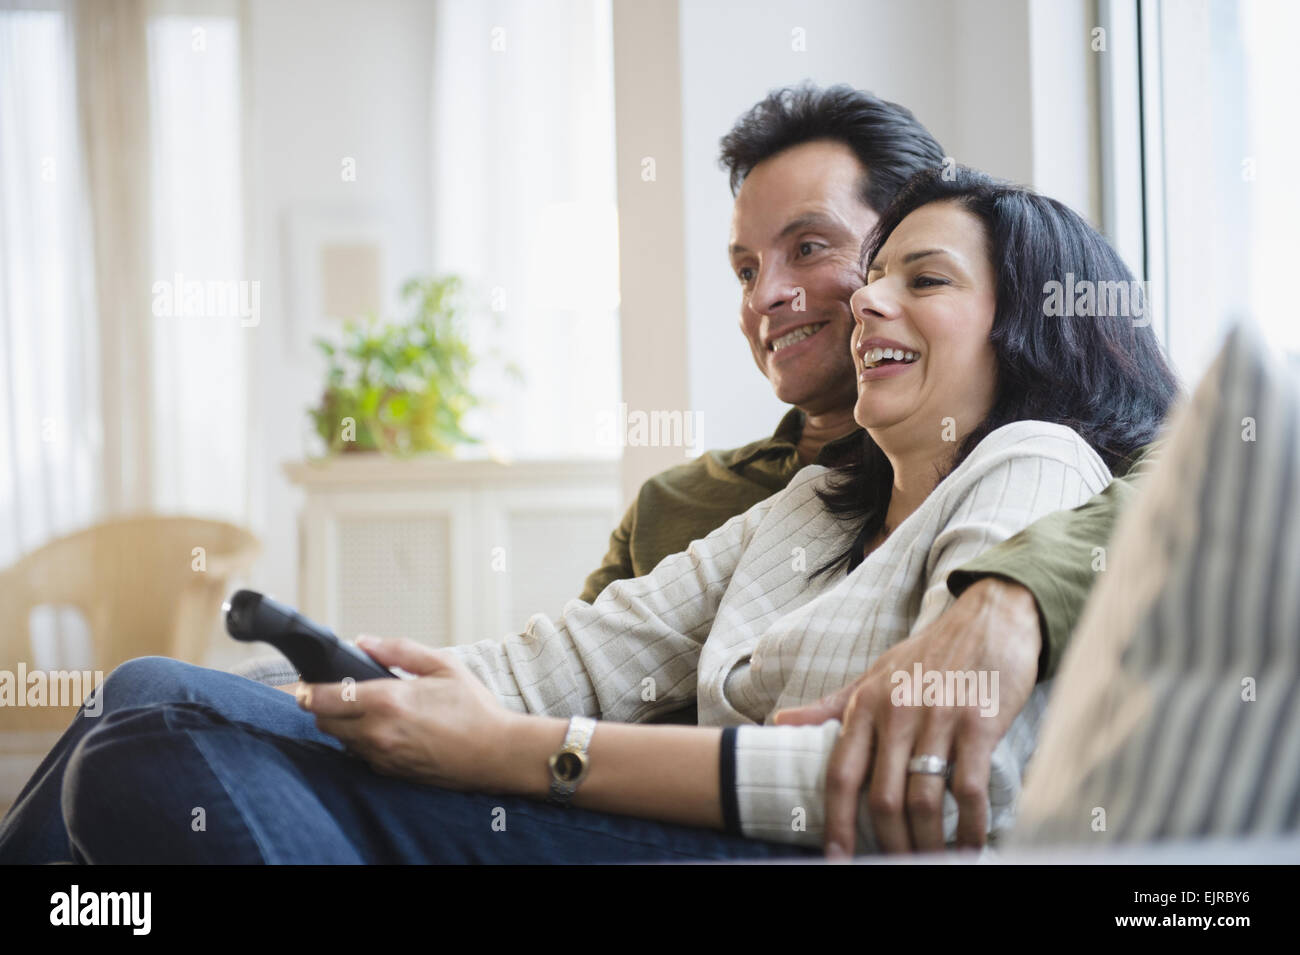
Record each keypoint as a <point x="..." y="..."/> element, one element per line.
<point x="886" y="370"/>
<point x="883" y="358"/>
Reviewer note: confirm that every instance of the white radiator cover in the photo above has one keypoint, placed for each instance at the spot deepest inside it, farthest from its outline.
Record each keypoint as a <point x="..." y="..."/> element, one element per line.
<point x="446" y="551"/>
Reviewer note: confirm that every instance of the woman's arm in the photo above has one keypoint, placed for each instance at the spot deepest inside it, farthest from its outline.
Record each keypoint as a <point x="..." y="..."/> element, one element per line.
<point x="445" y="728"/>
<point x="666" y="773"/>
<point x="475" y="718"/>
<point x="631" y="653"/>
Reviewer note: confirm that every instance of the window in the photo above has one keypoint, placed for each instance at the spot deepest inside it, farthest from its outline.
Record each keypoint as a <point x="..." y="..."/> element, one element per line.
<point x="1218" y="86"/>
<point x="525" y="209"/>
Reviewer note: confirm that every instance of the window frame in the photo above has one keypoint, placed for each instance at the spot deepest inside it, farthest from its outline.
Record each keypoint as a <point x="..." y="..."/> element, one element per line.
<point x="1132" y="147"/>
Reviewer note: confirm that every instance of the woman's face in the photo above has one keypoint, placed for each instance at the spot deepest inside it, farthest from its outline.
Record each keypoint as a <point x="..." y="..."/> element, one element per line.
<point x="930" y="297"/>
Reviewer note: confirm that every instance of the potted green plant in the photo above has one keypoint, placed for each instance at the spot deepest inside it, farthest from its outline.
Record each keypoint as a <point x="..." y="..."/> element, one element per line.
<point x="401" y="388"/>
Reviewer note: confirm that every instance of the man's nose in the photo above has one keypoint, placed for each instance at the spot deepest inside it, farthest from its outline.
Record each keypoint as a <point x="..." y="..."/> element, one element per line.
<point x="773" y="289"/>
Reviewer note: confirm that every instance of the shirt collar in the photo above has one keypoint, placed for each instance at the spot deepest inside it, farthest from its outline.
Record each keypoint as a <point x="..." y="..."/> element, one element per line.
<point x="784" y="441"/>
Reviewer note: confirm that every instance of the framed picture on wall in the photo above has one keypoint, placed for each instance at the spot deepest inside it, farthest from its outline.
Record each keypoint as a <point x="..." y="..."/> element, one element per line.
<point x="339" y="265"/>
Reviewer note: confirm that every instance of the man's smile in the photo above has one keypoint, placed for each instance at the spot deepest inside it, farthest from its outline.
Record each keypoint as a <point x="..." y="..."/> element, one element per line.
<point x="795" y="342"/>
<point x="795" y="336"/>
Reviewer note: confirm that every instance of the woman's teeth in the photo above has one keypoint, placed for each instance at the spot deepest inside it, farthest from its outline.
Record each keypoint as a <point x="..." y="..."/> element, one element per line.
<point x="798" y="335"/>
<point x="874" y="356"/>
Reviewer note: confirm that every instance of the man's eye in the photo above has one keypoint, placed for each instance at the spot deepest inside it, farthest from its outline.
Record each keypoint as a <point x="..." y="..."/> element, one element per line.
<point x="746" y="275"/>
<point x="807" y="248"/>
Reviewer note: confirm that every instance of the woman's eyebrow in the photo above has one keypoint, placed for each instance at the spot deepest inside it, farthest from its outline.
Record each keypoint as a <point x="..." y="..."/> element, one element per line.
<point x="912" y="257"/>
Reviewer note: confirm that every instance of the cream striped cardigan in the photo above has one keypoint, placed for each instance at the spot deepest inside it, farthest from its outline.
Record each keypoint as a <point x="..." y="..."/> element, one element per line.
<point x="736" y="623"/>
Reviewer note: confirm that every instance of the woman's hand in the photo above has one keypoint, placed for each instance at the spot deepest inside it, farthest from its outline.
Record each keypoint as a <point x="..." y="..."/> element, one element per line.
<point x="444" y="728"/>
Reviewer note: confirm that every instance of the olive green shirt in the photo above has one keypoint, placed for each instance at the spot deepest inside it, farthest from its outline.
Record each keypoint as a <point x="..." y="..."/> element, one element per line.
<point x="1054" y="558"/>
<point x="1059" y="557"/>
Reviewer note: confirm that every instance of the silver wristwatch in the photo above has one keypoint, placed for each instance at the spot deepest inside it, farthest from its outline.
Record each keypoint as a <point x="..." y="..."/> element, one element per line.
<point x="569" y="764"/>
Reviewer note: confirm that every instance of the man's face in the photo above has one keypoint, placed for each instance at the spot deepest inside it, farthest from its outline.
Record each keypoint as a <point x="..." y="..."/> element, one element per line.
<point x="796" y="237"/>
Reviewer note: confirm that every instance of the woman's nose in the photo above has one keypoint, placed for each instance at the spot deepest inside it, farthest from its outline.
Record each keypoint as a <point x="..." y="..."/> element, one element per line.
<point x="879" y="299"/>
<point x="863" y="302"/>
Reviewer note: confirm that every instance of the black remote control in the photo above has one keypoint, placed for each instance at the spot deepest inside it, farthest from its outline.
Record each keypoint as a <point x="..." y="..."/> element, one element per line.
<point x="319" y="655"/>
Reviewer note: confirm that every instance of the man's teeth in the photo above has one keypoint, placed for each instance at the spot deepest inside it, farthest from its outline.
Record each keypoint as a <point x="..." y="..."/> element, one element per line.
<point x="874" y="356"/>
<point x="798" y="335"/>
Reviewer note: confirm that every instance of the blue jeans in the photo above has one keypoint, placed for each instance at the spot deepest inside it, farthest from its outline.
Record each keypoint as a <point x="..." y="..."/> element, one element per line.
<point x="192" y="765"/>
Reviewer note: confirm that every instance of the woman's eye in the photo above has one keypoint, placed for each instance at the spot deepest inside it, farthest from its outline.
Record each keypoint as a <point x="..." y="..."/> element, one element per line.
<point x="928" y="281"/>
<point x="746" y="275"/>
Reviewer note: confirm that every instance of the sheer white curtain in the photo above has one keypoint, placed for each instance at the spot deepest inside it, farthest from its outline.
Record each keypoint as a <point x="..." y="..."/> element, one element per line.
<point x="111" y="69"/>
<point x="198" y="356"/>
<point x="51" y="439"/>
<point x="120" y="162"/>
<point x="525" y="207"/>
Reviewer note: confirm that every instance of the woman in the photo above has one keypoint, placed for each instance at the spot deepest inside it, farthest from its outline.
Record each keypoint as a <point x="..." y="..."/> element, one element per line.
<point x="981" y="415"/>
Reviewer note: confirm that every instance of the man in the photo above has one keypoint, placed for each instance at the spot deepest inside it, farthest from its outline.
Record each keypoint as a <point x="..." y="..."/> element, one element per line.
<point x="811" y="170"/>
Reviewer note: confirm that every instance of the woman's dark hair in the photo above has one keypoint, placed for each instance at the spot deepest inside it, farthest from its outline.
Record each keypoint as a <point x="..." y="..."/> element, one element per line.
<point x="1102" y="375"/>
<point x="887" y="139"/>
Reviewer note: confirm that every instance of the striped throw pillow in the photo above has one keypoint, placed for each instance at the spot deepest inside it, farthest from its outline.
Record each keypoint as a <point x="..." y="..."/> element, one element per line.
<point x="1176" y="711"/>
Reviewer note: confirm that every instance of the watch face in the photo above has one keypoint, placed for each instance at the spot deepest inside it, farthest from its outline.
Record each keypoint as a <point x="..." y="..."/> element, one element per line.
<point x="568" y="767"/>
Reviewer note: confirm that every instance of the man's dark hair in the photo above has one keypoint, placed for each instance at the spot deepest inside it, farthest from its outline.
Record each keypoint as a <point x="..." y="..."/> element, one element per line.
<point x="887" y="139"/>
<point x="1103" y="376"/>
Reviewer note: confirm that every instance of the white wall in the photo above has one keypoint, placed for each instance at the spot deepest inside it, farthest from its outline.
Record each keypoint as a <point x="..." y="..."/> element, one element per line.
<point x="326" y="79"/>
<point x="989" y="88"/>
